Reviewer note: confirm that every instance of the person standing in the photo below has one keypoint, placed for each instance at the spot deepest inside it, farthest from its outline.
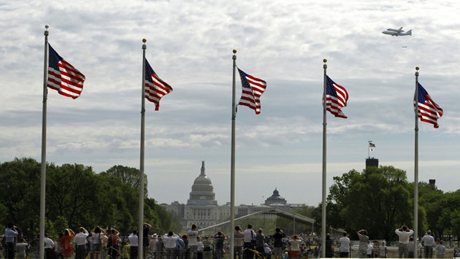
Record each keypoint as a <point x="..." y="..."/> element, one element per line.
<point x="199" y="248"/>
<point x="370" y="249"/>
<point x="49" y="247"/>
<point x="428" y="243"/>
<point x="219" y="245"/>
<point x="329" y="250"/>
<point x="169" y="241"/>
<point x="146" y="237"/>
<point x="207" y="248"/>
<point x="278" y="243"/>
<point x="11" y="238"/>
<point x="133" y="244"/>
<point x="80" y="241"/>
<point x="58" y="247"/>
<point x="295" y="246"/>
<point x="249" y="236"/>
<point x="181" y="247"/>
<point x="411" y="248"/>
<point x="192" y="241"/>
<point x="159" y="248"/>
<point x="114" y="245"/>
<point x="239" y="241"/>
<point x="21" y="249"/>
<point x="260" y="241"/>
<point x="363" y="242"/>
<point x="67" y="247"/>
<point x="344" y="248"/>
<point x="440" y="250"/>
<point x="153" y="244"/>
<point x="404" y="234"/>
<point x="97" y="242"/>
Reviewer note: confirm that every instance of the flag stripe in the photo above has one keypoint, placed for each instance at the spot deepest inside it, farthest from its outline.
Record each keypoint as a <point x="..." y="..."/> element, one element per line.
<point x="155" y="88"/>
<point x="63" y="77"/>
<point x="428" y="110"/>
<point x="252" y="90"/>
<point x="336" y="98"/>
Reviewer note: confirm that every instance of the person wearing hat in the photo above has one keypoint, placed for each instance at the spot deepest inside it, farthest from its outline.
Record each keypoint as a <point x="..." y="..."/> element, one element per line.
<point x="363" y="241"/>
<point x="153" y="243"/>
<point x="260" y="240"/>
<point x="428" y="243"/>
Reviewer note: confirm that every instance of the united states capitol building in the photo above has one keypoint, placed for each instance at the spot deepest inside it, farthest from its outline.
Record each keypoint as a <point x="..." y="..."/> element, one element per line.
<point x="202" y="208"/>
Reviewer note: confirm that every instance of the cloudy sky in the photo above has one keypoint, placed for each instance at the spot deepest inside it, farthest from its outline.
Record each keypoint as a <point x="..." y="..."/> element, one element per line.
<point x="190" y="46"/>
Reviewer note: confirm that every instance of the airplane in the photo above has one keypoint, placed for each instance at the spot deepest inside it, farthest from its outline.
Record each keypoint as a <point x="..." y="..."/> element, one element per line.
<point x="397" y="32"/>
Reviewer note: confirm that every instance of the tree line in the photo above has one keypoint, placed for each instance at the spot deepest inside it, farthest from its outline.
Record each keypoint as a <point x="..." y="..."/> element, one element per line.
<point x="381" y="199"/>
<point x="76" y="196"/>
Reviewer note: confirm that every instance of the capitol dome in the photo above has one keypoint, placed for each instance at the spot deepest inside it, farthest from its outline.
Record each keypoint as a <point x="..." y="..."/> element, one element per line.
<point x="202" y="191"/>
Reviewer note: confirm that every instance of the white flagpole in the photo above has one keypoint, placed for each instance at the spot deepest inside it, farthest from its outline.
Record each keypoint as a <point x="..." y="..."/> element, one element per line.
<point x="43" y="162"/>
<point x="232" y="171"/>
<point x="416" y="167"/>
<point x="141" y="179"/>
<point x="323" y="213"/>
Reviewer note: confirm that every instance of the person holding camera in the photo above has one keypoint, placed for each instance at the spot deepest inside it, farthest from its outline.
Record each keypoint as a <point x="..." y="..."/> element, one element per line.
<point x="404" y="234"/>
<point x="363" y="243"/>
<point x="278" y="243"/>
<point x="11" y="238"/>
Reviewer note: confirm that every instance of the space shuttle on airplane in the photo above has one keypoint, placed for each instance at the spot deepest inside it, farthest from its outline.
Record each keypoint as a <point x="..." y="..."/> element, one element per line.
<point x="397" y="32"/>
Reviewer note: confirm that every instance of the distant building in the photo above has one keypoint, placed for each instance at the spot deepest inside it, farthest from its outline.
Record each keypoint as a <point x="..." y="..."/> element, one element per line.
<point x="372" y="162"/>
<point x="275" y="199"/>
<point x="202" y="208"/>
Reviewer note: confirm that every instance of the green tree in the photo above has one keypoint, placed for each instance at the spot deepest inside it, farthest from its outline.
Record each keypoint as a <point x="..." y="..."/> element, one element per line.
<point x="20" y="192"/>
<point x="75" y="196"/>
<point x="128" y="175"/>
<point x="377" y="199"/>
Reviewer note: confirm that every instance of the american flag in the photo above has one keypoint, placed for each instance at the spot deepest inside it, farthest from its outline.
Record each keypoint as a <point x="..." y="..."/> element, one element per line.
<point x="428" y="110"/>
<point x="336" y="98"/>
<point x="63" y="77"/>
<point x="371" y="146"/>
<point x="155" y="88"/>
<point x="253" y="88"/>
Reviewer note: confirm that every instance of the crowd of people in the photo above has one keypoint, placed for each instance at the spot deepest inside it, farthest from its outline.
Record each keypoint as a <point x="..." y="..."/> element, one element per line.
<point x="102" y="244"/>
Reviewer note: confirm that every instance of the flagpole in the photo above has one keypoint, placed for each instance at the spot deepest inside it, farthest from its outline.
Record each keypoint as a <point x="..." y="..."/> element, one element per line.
<point x="141" y="179"/>
<point x="43" y="162"/>
<point x="369" y="150"/>
<point x="323" y="213"/>
<point x="416" y="167"/>
<point x="232" y="173"/>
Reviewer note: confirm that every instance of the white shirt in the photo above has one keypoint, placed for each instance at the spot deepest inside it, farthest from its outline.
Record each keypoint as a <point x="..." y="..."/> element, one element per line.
<point x="170" y="241"/>
<point x="404" y="236"/>
<point x="370" y="247"/>
<point x="200" y="246"/>
<point x="192" y="235"/>
<point x="48" y="243"/>
<point x="21" y="249"/>
<point x="80" y="238"/>
<point x="133" y="240"/>
<point x="249" y="235"/>
<point x="97" y="238"/>
<point x="295" y="244"/>
<point x="344" y="245"/>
